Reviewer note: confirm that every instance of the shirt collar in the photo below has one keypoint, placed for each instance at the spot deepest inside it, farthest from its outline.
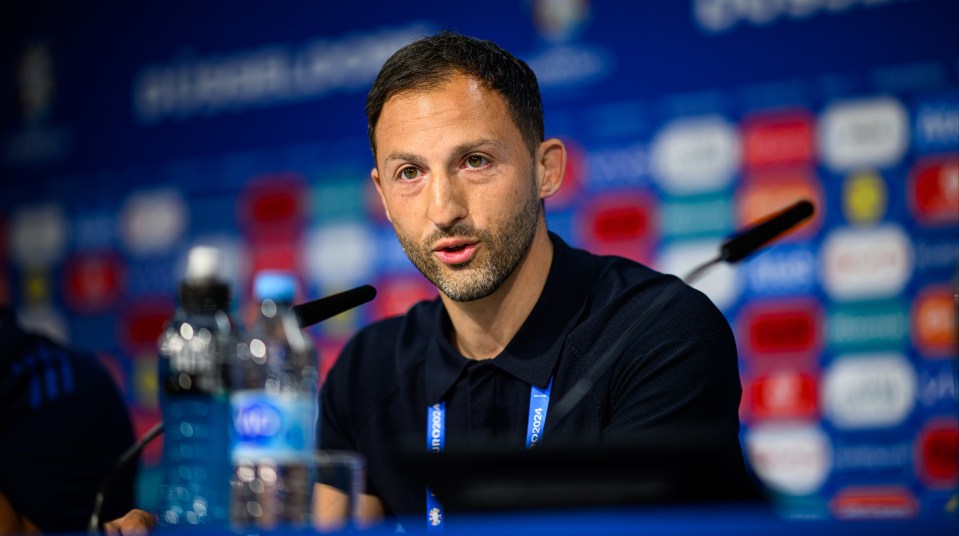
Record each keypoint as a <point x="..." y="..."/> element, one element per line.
<point x="532" y="353"/>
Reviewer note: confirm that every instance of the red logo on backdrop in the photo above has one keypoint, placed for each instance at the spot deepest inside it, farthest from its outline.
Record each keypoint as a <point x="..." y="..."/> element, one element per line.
<point x="329" y="352"/>
<point x="782" y="328"/>
<point x="782" y="139"/>
<point x="143" y="322"/>
<point x="934" y="322"/>
<point x="395" y="295"/>
<point x="934" y="190"/>
<point x="143" y="420"/>
<point x="766" y="193"/>
<point x="883" y="502"/>
<point x="937" y="453"/>
<point x="274" y="206"/>
<point x="275" y="255"/>
<point x="784" y="395"/>
<point x="93" y="281"/>
<point x="620" y="224"/>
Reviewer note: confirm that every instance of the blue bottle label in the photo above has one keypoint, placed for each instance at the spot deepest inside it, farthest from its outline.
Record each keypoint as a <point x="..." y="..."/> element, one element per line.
<point x="280" y="427"/>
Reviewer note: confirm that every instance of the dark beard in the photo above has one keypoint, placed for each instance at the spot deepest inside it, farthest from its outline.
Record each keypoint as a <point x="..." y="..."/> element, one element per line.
<point x="477" y="278"/>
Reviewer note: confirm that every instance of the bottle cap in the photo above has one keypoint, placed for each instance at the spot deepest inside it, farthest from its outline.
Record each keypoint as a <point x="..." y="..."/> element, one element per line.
<point x="275" y="285"/>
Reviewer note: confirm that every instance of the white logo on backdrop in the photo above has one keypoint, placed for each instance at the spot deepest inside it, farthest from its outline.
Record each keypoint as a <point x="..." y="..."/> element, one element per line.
<point x="869" y="390"/>
<point x="695" y="155"/>
<point x="789" y="458"/>
<point x="866" y="263"/>
<point x="863" y="133"/>
<point x="721" y="284"/>
<point x="153" y="222"/>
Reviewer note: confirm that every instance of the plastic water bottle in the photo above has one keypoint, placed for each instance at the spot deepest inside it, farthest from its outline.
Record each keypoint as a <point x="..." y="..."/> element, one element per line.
<point x="274" y="408"/>
<point x="195" y="352"/>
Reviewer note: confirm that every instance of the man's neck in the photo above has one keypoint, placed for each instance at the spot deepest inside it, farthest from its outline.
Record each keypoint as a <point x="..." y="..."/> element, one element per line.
<point x="482" y="328"/>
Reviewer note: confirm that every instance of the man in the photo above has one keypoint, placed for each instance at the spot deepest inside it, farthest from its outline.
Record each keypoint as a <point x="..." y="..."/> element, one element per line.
<point x="63" y="425"/>
<point x="463" y="169"/>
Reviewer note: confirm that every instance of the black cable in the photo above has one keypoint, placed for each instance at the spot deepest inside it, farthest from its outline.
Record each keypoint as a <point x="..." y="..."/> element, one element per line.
<point x="93" y="527"/>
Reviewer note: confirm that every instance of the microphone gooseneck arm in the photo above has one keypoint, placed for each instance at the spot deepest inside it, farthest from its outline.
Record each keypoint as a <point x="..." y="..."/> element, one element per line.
<point x="733" y="250"/>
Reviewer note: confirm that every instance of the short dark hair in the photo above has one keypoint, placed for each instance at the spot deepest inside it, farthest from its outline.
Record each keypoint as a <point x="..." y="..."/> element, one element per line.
<point x="429" y="62"/>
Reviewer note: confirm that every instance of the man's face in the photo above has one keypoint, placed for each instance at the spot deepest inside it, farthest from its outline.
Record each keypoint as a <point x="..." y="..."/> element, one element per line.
<point x="458" y="184"/>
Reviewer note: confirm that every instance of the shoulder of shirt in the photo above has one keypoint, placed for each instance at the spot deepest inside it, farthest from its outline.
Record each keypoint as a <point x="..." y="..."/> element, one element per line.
<point x="624" y="288"/>
<point x="403" y="338"/>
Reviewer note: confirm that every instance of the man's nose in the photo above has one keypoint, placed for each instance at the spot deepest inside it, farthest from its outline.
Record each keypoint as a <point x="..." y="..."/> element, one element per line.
<point x="448" y="203"/>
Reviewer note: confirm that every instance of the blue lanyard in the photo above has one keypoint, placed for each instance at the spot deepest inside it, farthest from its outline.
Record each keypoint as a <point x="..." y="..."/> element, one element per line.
<point x="436" y="441"/>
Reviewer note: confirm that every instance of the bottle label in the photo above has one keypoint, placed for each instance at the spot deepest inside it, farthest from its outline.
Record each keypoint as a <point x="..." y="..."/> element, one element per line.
<point x="280" y="427"/>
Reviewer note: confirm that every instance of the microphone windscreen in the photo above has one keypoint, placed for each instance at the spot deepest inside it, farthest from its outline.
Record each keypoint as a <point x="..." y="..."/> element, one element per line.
<point x="316" y="311"/>
<point x="748" y="241"/>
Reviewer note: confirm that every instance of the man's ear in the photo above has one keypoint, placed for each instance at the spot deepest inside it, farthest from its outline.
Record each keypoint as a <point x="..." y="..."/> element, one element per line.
<point x="375" y="175"/>
<point x="550" y="166"/>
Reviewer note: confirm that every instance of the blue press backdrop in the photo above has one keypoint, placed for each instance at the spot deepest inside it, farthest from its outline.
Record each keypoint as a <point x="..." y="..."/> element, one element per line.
<point x="131" y="132"/>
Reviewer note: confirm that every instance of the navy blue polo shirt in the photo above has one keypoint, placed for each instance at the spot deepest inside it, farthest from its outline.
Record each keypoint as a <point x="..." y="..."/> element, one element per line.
<point x="681" y="371"/>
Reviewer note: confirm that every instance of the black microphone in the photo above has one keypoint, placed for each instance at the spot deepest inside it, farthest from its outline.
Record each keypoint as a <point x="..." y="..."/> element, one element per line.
<point x="746" y="242"/>
<point x="316" y="311"/>
<point x="732" y="250"/>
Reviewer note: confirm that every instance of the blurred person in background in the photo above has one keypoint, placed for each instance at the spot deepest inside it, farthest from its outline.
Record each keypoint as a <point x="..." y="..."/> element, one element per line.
<point x="462" y="169"/>
<point x="63" y="425"/>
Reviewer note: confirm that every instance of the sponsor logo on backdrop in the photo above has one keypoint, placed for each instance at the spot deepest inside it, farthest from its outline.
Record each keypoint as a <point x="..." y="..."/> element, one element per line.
<point x="864" y="198"/>
<point x="339" y="256"/>
<point x="775" y="140"/>
<point x="874" y="502"/>
<point x="273" y="207"/>
<point x="560" y="20"/>
<point x="695" y="155"/>
<point x="863" y="133"/>
<point x="254" y="79"/>
<point x="784" y="394"/>
<point x="142" y="323"/>
<point x="768" y="192"/>
<point x="936" y="125"/>
<point x="39" y="142"/>
<point x="937" y="453"/>
<point x="93" y="282"/>
<point x="866" y="263"/>
<point x="571" y="65"/>
<point x="623" y="223"/>
<point x="144" y="378"/>
<point x="616" y="167"/>
<point x="696" y="217"/>
<point x="872" y="457"/>
<point x="721" y="284"/>
<point x="716" y="16"/>
<point x="153" y="222"/>
<point x="939" y="385"/>
<point x="793" y="459"/>
<point x="869" y="390"/>
<point x="339" y="196"/>
<point x="396" y="294"/>
<point x="782" y="269"/>
<point x="95" y="231"/>
<point x="934" y="322"/>
<point x="934" y="191"/>
<point x="38" y="235"/>
<point x="868" y="326"/>
<point x="937" y="257"/>
<point x="782" y="327"/>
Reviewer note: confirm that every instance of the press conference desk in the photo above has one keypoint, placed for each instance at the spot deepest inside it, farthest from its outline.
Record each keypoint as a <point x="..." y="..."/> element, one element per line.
<point x="672" y="521"/>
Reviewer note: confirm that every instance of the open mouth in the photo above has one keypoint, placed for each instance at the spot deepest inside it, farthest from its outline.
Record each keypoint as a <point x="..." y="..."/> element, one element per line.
<point x="454" y="253"/>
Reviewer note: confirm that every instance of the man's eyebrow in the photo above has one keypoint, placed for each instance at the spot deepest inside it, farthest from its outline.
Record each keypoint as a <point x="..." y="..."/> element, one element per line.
<point x="405" y="157"/>
<point x="475" y="144"/>
<point x="458" y="150"/>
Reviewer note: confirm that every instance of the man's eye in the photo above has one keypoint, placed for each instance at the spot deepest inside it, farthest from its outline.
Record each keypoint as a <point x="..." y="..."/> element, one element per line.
<point x="409" y="173"/>
<point x="475" y="161"/>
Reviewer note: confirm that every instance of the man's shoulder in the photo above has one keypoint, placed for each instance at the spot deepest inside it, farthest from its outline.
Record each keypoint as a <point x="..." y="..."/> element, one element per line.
<point x="395" y="338"/>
